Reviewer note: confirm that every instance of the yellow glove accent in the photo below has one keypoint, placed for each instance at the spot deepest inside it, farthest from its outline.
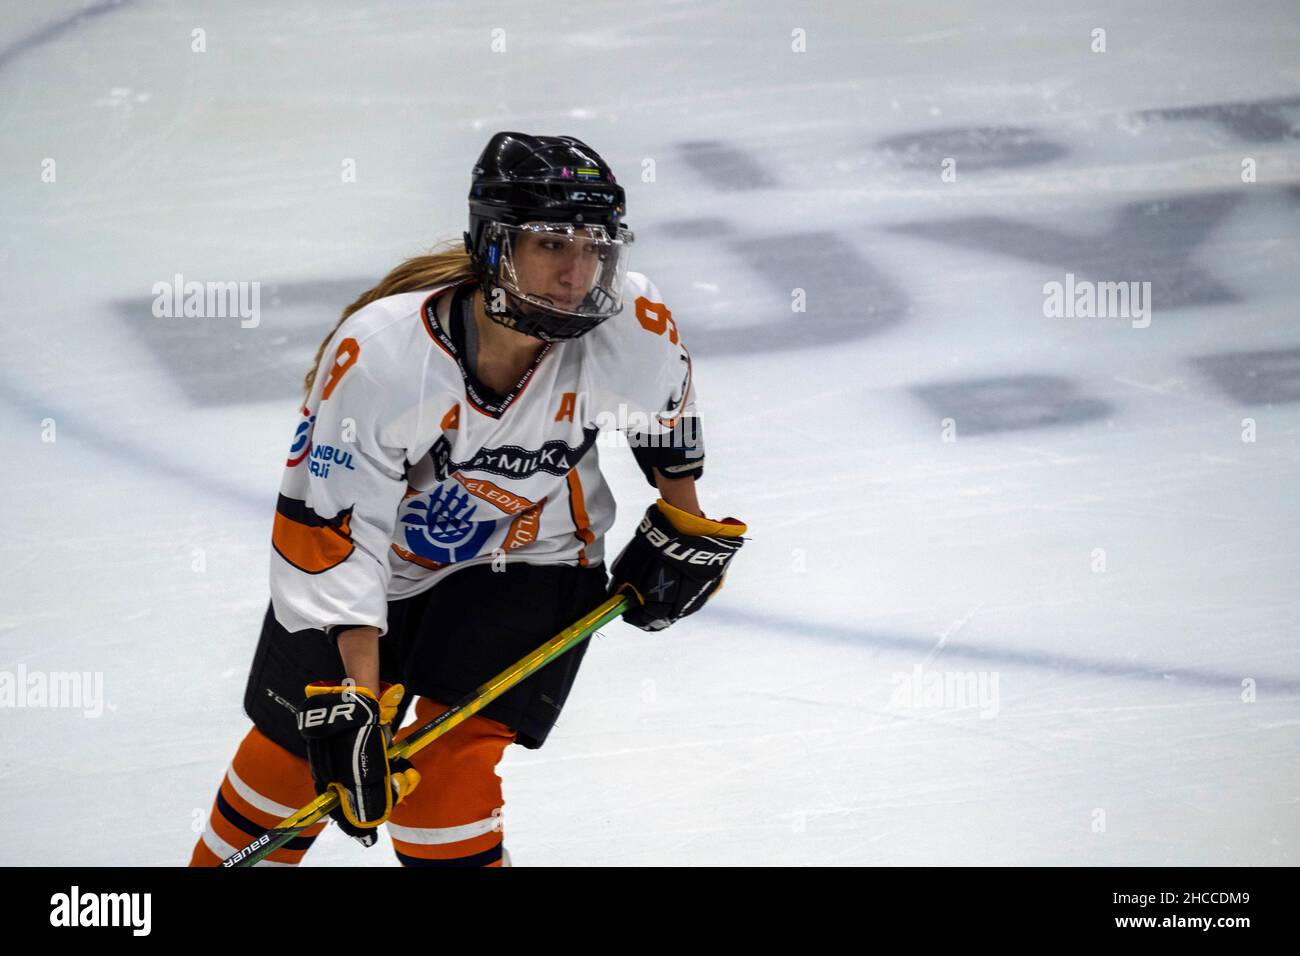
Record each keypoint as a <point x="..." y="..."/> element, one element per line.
<point x="315" y="690"/>
<point x="406" y="781"/>
<point x="388" y="704"/>
<point x="403" y="783"/>
<point x="687" y="523"/>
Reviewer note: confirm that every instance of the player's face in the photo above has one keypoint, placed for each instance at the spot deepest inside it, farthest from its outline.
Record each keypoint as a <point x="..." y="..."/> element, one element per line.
<point x="559" y="269"/>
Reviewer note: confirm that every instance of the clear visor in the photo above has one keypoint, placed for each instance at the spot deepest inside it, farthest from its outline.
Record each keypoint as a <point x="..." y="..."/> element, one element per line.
<point x="568" y="269"/>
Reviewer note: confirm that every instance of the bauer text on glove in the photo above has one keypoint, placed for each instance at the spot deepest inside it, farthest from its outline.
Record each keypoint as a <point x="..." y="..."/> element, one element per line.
<point x="673" y="563"/>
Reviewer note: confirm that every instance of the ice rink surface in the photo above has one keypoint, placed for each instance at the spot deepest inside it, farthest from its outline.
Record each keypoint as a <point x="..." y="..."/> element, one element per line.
<point x="1090" y="524"/>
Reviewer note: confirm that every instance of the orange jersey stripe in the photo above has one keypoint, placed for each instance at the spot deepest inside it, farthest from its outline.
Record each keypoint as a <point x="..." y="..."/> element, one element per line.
<point x="578" y="509"/>
<point x="307" y="541"/>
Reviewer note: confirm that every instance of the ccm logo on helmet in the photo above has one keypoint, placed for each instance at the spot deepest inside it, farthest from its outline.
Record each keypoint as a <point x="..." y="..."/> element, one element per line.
<point x="675" y="551"/>
<point x="579" y="195"/>
<point x="316" y="716"/>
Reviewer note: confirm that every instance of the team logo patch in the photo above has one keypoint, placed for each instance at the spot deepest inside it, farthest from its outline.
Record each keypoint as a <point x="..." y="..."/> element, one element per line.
<point x="440" y="526"/>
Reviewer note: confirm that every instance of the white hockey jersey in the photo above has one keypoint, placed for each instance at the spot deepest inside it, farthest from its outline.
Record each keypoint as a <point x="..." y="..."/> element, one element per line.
<point x="403" y="468"/>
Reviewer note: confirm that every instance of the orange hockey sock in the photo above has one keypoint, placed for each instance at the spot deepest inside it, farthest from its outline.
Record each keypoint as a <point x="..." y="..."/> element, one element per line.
<point x="453" y="818"/>
<point x="264" y="784"/>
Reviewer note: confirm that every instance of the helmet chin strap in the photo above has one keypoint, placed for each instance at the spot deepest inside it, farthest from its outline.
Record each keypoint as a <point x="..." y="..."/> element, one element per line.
<point x="510" y="312"/>
<point x="531" y="321"/>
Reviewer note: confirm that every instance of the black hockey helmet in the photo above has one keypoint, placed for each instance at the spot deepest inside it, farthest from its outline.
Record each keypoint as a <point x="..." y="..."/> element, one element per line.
<point x="559" y="190"/>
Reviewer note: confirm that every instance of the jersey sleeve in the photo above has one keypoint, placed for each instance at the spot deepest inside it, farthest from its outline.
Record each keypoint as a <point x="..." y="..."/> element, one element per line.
<point x="663" y="428"/>
<point x="339" y="497"/>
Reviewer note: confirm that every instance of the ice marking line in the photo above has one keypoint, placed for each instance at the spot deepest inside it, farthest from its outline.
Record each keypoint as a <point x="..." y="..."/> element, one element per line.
<point x="951" y="630"/>
<point x="137" y="456"/>
<point x="47" y="33"/>
<point x="263" y="506"/>
<point x="1136" y="670"/>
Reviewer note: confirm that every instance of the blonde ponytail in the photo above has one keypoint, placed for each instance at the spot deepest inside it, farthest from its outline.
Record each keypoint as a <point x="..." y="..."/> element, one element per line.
<point x="448" y="262"/>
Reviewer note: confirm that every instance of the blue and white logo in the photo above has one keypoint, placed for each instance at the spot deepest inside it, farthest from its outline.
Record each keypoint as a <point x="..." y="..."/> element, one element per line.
<point x="301" y="439"/>
<point x="440" y="526"/>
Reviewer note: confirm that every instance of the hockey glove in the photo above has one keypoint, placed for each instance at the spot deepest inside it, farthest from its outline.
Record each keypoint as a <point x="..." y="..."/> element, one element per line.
<point x="348" y="732"/>
<point x="673" y="563"/>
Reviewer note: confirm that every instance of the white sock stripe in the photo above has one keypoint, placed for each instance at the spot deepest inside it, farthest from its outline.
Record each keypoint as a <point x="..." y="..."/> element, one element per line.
<point x="224" y="850"/>
<point x="253" y="798"/>
<point x="430" y="836"/>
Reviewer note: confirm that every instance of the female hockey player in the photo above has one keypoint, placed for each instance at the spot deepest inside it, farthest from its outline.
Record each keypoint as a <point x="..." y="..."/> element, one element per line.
<point x="442" y="512"/>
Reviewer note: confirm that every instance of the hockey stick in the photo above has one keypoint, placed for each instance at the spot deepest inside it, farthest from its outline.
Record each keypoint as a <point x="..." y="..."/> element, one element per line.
<point x="461" y="711"/>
